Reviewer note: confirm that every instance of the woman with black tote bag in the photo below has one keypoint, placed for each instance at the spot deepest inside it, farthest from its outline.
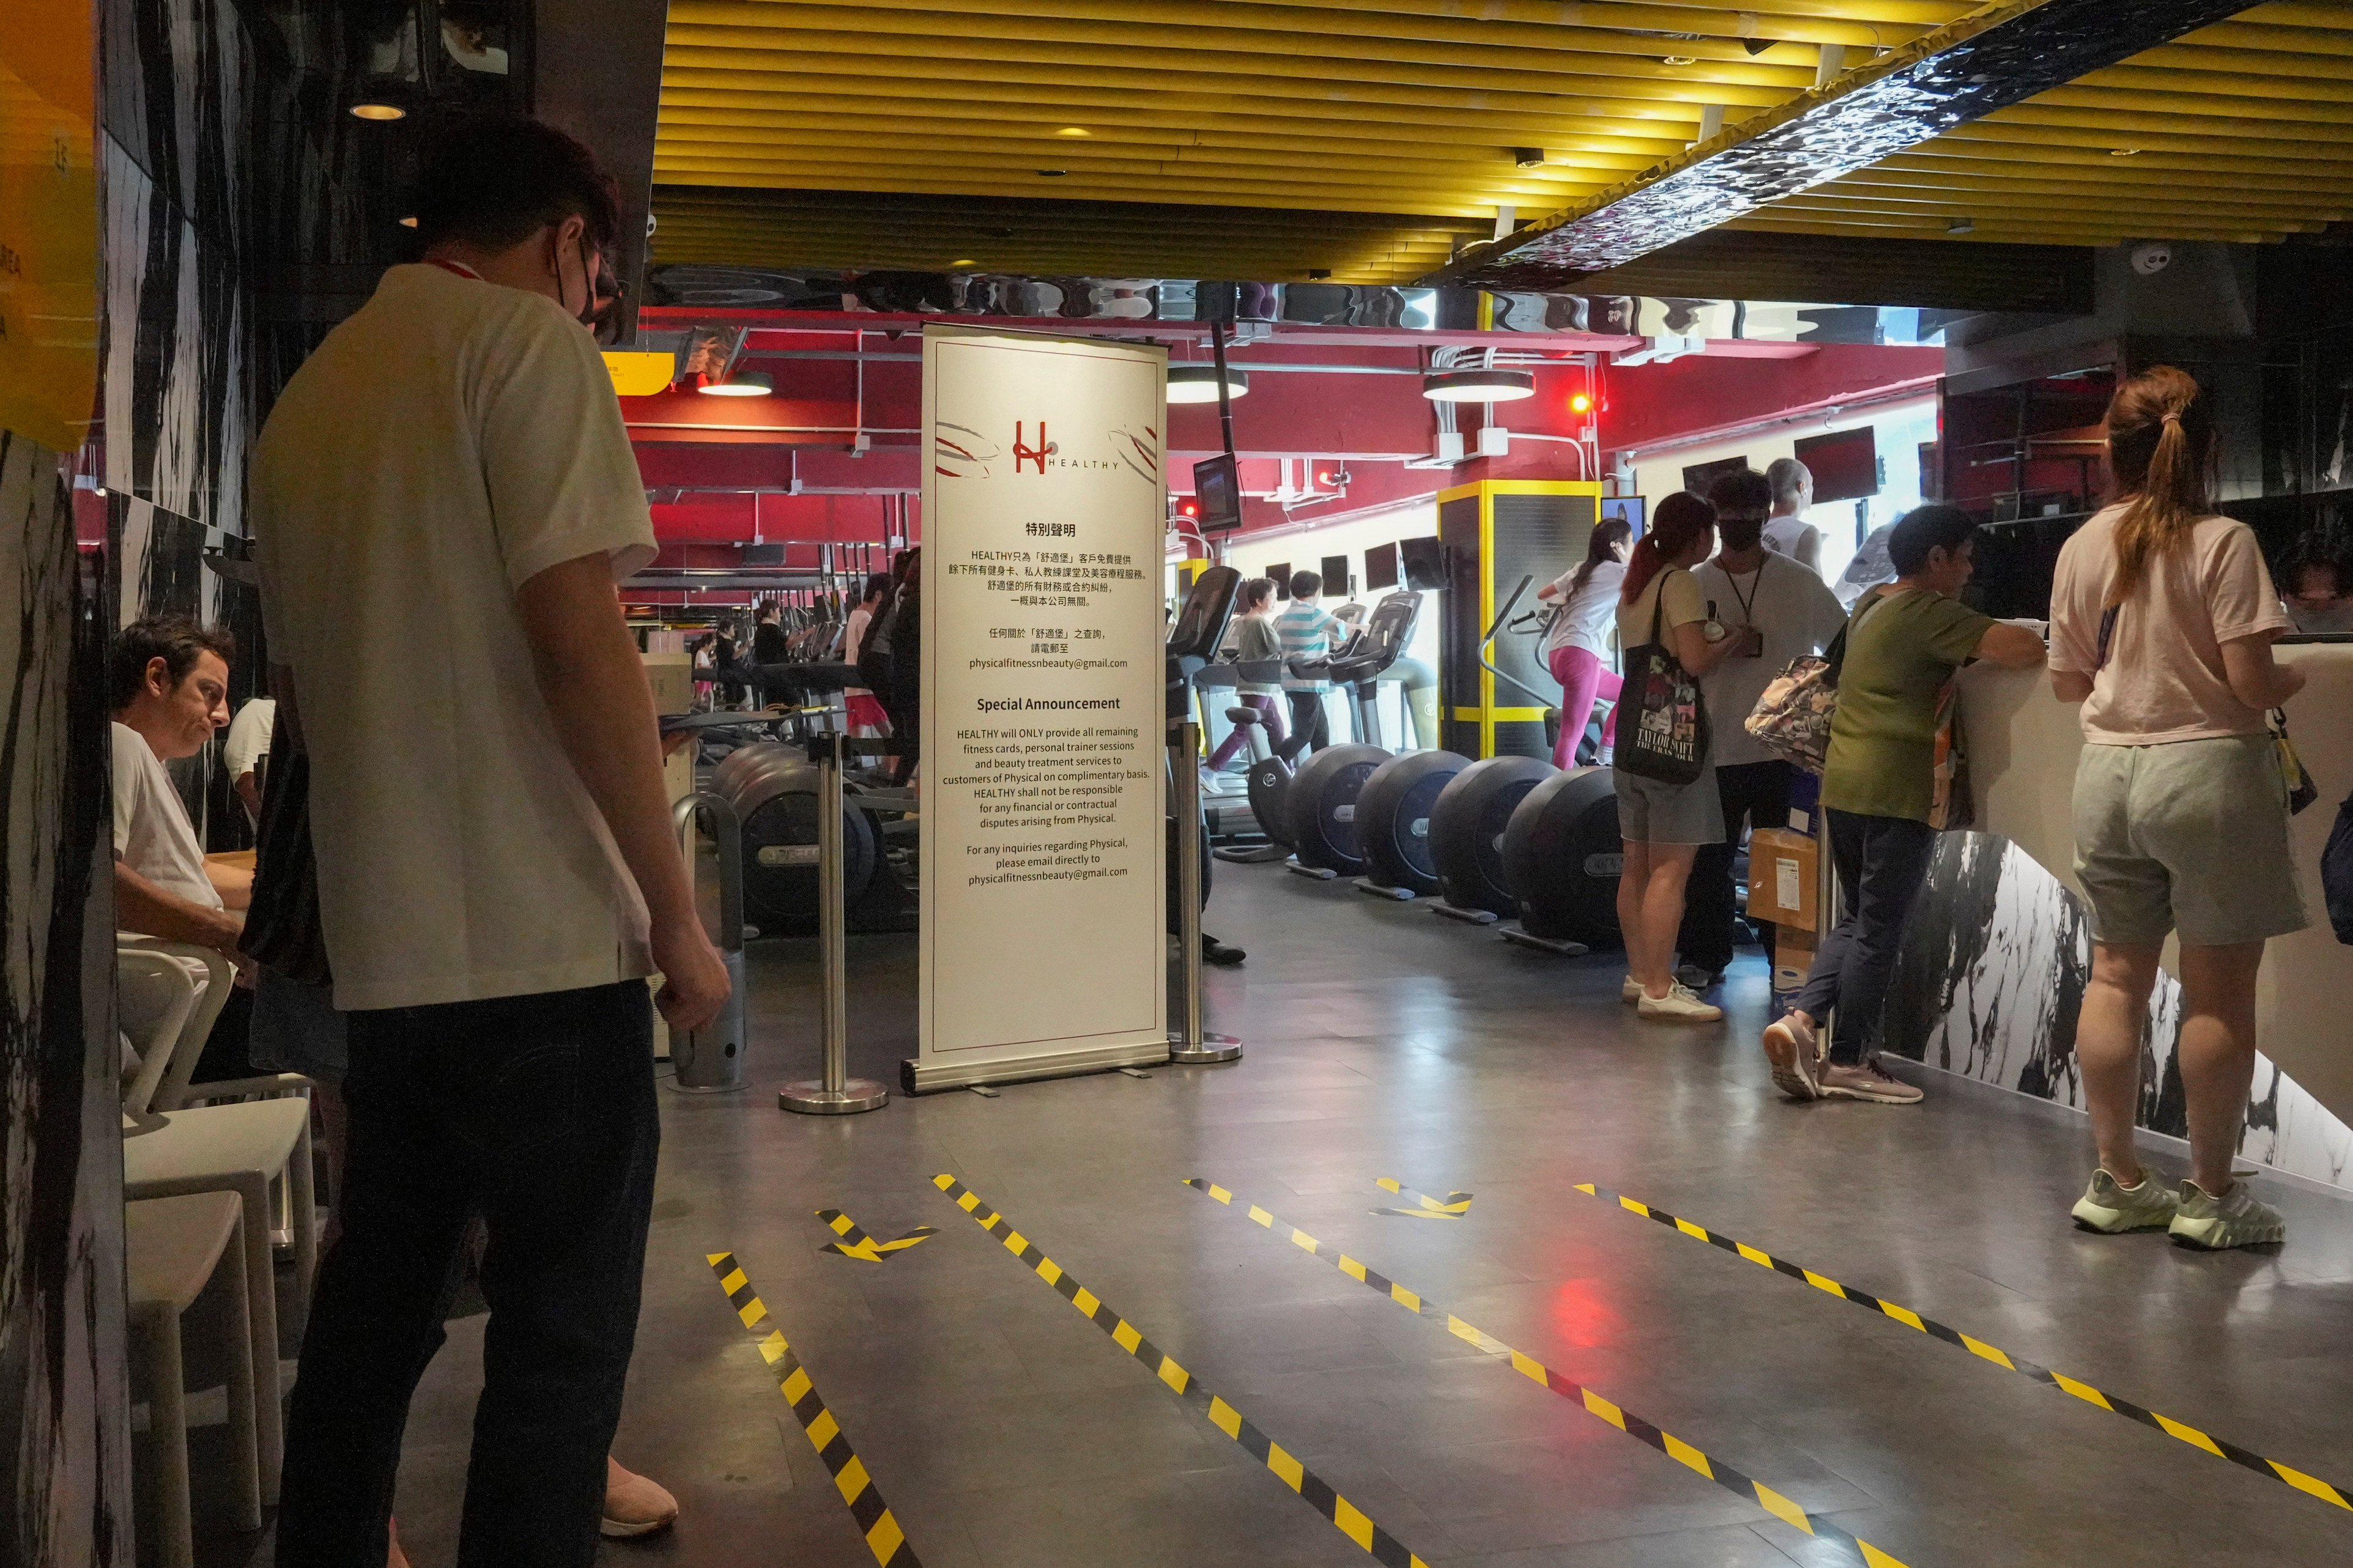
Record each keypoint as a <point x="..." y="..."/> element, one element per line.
<point x="1667" y="800"/>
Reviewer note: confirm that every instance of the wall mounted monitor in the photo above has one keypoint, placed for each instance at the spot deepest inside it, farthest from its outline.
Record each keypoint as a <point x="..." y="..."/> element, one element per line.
<point x="1698" y="476"/>
<point x="1281" y="575"/>
<point x="1218" y="486"/>
<point x="1380" y="568"/>
<point x="1635" y="510"/>
<point x="1424" y="561"/>
<point x="1844" y="463"/>
<point x="1334" y="572"/>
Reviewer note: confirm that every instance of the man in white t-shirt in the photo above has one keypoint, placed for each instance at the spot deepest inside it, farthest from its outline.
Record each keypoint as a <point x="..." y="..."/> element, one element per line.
<point x="1778" y="611"/>
<point x="168" y="678"/>
<point x="247" y="743"/>
<point x="497" y="872"/>
<point x="1786" y="532"/>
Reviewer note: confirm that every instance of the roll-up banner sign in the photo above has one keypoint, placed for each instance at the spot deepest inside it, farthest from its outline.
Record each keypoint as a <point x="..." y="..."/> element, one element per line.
<point x="1044" y="902"/>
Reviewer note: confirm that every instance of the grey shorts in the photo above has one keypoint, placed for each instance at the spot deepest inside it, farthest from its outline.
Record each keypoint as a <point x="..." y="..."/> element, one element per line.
<point x="2189" y="837"/>
<point x="1649" y="812"/>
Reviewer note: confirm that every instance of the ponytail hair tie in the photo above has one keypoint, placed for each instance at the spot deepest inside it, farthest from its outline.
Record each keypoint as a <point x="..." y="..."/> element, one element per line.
<point x="2171" y="417"/>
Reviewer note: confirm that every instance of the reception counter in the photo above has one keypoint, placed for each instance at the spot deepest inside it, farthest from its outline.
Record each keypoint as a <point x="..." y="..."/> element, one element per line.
<point x="1995" y="966"/>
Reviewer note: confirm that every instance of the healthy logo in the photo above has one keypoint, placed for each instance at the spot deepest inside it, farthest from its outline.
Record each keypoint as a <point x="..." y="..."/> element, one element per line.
<point x="1025" y="453"/>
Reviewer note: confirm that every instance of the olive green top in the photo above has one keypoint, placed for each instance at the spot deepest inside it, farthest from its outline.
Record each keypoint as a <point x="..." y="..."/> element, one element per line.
<point x="1901" y="649"/>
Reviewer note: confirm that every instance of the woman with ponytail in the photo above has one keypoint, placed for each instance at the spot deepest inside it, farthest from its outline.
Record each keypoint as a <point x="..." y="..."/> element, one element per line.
<point x="1663" y="825"/>
<point x="1576" y="646"/>
<point x="2162" y="617"/>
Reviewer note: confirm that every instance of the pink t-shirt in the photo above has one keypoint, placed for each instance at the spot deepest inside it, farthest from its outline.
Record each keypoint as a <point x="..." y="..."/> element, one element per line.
<point x="2164" y="680"/>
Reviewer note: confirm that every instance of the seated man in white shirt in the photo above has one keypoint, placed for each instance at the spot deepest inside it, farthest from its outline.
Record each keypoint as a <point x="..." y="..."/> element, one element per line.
<point x="247" y="749"/>
<point x="168" y="677"/>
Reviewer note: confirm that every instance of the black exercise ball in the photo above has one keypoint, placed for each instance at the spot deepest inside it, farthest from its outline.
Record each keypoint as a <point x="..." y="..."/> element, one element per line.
<point x="1562" y="854"/>
<point x="1393" y="820"/>
<point x="1466" y="829"/>
<point x="1323" y="805"/>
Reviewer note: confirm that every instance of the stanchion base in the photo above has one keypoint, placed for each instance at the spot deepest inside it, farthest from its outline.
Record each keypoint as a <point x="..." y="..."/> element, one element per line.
<point x="1214" y="1048"/>
<point x="813" y="1099"/>
<point x="677" y="1087"/>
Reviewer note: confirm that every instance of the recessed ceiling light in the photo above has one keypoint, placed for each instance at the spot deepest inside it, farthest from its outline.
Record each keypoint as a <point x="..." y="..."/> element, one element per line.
<point x="1199" y="383"/>
<point x="378" y="111"/>
<point x="2124" y="152"/>
<point x="749" y="384"/>
<point x="1051" y="174"/>
<point x="1479" y="386"/>
<point x="1528" y="157"/>
<point x="1074" y="130"/>
<point x="408" y="223"/>
<point x="1962" y="225"/>
<point x="967" y="261"/>
<point x="1679" y="59"/>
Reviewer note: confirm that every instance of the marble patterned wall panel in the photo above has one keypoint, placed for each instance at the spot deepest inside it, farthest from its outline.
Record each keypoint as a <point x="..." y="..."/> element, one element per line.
<point x="65" y="1411"/>
<point x="1993" y="974"/>
<point x="176" y="403"/>
<point x="178" y="76"/>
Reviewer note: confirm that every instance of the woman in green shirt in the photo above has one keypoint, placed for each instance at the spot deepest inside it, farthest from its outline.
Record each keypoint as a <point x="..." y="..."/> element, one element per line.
<point x="1904" y="643"/>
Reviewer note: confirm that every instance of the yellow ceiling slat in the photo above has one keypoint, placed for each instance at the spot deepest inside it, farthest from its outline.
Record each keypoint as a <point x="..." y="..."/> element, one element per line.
<point x="1880" y="23"/>
<point x="2070" y="207"/>
<point x="2194" y="107"/>
<point x="2055" y="129"/>
<point x="1889" y="226"/>
<point x="2240" y="33"/>
<point x="2322" y="15"/>
<point x="2024" y="176"/>
<point x="1219" y="23"/>
<point x="955" y="118"/>
<point x="1017" y="159"/>
<point x="782" y="88"/>
<point x="779" y="128"/>
<point x="1265" y="75"/>
<point x="2230" y="88"/>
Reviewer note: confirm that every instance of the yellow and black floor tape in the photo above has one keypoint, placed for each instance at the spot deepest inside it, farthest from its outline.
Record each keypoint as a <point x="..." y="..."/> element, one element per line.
<point x="883" y="1536"/>
<point x="2182" y="1430"/>
<point x="856" y="1243"/>
<point x="1593" y="1404"/>
<point x="1453" y="1205"/>
<point x="1345" y="1516"/>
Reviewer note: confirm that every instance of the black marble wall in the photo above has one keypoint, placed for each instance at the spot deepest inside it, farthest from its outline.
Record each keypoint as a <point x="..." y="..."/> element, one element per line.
<point x="65" y="1415"/>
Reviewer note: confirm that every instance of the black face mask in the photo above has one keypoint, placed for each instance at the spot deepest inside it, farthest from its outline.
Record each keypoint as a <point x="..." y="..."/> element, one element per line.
<point x="600" y="288"/>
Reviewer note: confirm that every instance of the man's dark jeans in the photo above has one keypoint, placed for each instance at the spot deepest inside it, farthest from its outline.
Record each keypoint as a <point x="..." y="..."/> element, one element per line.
<point x="1881" y="863"/>
<point x="1759" y="795"/>
<point x="537" y="1112"/>
<point x="1311" y="721"/>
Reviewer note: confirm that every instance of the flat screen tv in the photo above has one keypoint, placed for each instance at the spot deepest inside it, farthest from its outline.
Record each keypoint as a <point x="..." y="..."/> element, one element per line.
<point x="1844" y="463"/>
<point x="1380" y="567"/>
<point x="1334" y="572"/>
<point x="1281" y="573"/>
<point x="1424" y="561"/>
<point x="1218" y="486"/>
<point x="1698" y="476"/>
<point x="1633" y="509"/>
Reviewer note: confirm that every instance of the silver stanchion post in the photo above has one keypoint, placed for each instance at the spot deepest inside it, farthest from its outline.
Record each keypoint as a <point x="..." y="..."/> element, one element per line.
<point x="1192" y="1045"/>
<point x="835" y="1093"/>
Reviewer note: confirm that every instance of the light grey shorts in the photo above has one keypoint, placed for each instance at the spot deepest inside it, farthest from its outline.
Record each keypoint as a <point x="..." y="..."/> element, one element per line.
<point x="2189" y="837"/>
<point x="1649" y="812"/>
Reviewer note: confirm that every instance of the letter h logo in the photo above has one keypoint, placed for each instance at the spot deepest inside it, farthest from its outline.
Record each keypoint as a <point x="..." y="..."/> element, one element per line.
<point x="1024" y="453"/>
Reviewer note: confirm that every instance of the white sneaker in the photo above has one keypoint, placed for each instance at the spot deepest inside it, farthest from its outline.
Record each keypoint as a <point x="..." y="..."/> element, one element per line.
<point x="1631" y="992"/>
<point x="1679" y="1006"/>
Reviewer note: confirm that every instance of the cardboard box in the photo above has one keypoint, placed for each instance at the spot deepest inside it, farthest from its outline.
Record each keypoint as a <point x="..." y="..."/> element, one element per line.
<point x="1793" y="958"/>
<point x="1784" y="880"/>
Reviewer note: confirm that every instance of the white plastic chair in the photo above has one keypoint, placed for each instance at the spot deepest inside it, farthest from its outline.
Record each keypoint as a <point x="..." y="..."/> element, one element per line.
<point x="171" y="1149"/>
<point x="174" y="1248"/>
<point x="164" y="1007"/>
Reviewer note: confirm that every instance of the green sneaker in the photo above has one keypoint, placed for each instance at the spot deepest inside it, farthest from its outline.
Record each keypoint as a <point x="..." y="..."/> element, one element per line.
<point x="2234" y="1219"/>
<point x="2109" y="1207"/>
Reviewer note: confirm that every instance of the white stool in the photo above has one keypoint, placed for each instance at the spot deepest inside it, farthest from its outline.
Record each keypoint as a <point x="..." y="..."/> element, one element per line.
<point x="239" y="1149"/>
<point x="172" y="1247"/>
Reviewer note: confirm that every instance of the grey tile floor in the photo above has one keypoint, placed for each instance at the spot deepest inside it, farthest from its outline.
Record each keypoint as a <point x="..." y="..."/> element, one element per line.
<point x="1007" y="1433"/>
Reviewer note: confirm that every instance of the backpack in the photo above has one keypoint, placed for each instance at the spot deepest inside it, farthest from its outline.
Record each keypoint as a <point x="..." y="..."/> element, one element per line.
<point x="1669" y="738"/>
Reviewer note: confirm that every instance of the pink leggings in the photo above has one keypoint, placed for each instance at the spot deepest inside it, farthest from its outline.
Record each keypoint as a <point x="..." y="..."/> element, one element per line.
<point x="1582" y="682"/>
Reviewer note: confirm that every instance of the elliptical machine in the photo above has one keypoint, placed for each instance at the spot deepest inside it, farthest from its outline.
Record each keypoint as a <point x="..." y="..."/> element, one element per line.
<point x="1322" y="796"/>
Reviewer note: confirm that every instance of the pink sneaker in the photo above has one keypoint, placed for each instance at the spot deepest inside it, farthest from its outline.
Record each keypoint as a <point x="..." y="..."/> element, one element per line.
<point x="1790" y="1046"/>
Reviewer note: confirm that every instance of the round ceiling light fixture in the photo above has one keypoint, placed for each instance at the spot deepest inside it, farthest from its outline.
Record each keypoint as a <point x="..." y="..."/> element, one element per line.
<point x="376" y="110"/>
<point x="1074" y="130"/>
<point x="1679" y="60"/>
<point x="1479" y="386"/>
<point x="747" y="383"/>
<point x="2124" y="152"/>
<point x="1199" y="383"/>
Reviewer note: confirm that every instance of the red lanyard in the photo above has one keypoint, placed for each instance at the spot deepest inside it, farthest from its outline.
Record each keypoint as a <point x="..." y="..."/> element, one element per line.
<point x="459" y="268"/>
